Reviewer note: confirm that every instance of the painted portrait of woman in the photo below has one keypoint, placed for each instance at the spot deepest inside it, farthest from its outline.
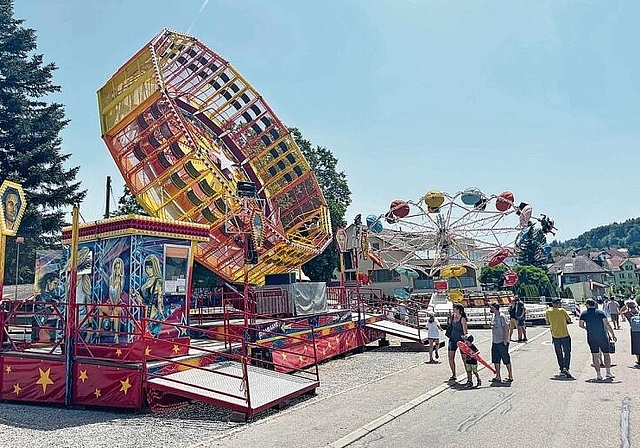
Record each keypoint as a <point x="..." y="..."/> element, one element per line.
<point x="112" y="311"/>
<point x="151" y="292"/>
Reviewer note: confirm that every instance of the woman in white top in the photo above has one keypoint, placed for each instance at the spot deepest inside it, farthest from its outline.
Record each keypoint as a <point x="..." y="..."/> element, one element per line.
<point x="433" y="338"/>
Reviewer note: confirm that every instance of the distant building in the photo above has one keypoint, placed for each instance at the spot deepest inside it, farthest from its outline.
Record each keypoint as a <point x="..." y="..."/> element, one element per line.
<point x="583" y="276"/>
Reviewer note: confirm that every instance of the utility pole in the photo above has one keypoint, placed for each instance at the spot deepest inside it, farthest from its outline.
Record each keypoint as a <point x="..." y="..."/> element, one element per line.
<point x="19" y="241"/>
<point x="108" y="198"/>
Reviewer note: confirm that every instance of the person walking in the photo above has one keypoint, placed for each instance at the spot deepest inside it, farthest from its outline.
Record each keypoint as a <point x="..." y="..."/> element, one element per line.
<point x="631" y="313"/>
<point x="500" y="344"/>
<point x="458" y="323"/>
<point x="521" y="312"/>
<point x="558" y="318"/>
<point x="614" y="313"/>
<point x="513" y="320"/>
<point x="597" y="326"/>
<point x="433" y="338"/>
<point x="471" y="363"/>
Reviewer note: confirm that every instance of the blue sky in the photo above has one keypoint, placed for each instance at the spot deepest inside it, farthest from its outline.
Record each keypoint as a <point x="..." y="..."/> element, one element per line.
<point x="540" y="98"/>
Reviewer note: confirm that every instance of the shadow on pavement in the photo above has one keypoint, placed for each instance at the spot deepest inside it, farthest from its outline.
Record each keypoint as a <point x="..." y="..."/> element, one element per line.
<point x="502" y="384"/>
<point x="603" y="381"/>
<point x="561" y="378"/>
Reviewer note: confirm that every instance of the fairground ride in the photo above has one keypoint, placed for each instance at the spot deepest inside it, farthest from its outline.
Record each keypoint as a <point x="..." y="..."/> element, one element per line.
<point x="443" y="234"/>
<point x="192" y="138"/>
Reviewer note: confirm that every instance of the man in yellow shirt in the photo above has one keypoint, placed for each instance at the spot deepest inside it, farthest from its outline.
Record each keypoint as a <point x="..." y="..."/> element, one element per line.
<point x="557" y="318"/>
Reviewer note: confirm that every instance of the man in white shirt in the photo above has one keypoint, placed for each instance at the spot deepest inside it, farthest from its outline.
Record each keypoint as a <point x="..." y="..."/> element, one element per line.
<point x="500" y="344"/>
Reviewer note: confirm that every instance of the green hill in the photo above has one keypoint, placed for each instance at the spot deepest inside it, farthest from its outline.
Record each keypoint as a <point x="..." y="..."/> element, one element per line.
<point x="625" y="234"/>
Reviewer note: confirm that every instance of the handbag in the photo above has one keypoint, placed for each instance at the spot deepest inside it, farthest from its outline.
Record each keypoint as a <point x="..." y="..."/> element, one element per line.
<point x="612" y="346"/>
<point x="449" y="329"/>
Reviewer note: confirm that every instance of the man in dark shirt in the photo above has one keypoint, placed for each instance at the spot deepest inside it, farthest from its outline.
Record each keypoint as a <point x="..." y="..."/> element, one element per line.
<point x="598" y="329"/>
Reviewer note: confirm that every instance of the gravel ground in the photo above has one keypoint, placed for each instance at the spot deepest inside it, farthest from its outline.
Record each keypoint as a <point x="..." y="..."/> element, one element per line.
<point x="40" y="426"/>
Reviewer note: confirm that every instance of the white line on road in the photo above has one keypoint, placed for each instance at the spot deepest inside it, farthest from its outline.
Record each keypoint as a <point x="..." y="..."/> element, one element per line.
<point x="624" y="422"/>
<point x="403" y="409"/>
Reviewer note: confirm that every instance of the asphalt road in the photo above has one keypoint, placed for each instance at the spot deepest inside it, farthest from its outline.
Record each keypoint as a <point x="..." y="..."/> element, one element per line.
<point x="537" y="410"/>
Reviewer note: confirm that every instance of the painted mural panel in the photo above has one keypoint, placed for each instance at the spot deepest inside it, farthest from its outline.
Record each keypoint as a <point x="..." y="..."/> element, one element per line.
<point x="160" y="281"/>
<point x="118" y="278"/>
<point x="49" y="309"/>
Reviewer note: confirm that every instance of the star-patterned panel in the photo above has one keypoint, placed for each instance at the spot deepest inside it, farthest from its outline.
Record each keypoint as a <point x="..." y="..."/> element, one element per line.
<point x="100" y="385"/>
<point x="332" y="344"/>
<point x="32" y="379"/>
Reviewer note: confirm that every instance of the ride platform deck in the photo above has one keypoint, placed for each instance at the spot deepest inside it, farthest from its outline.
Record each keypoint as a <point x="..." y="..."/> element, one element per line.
<point x="395" y="328"/>
<point x="220" y="384"/>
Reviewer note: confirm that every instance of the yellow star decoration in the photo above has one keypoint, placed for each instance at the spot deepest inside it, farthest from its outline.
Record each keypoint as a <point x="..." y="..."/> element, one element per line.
<point x="126" y="385"/>
<point x="97" y="393"/>
<point x="329" y="346"/>
<point x="7" y="369"/>
<point x="304" y="349"/>
<point x="300" y="358"/>
<point x="337" y="340"/>
<point x="44" y="379"/>
<point x="284" y="356"/>
<point x="83" y="376"/>
<point x="118" y="352"/>
<point x="176" y="349"/>
<point x="147" y="351"/>
<point x="17" y="388"/>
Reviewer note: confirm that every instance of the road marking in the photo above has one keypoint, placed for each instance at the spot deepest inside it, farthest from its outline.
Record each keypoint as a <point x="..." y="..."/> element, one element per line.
<point x="624" y="422"/>
<point x="468" y="423"/>
<point x="403" y="409"/>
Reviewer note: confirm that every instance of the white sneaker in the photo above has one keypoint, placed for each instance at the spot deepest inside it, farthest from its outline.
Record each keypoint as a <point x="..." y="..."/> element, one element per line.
<point x="598" y="377"/>
<point x="610" y="375"/>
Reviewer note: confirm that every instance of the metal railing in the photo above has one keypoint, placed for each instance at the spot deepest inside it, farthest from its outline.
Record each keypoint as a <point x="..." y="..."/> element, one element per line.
<point x="241" y="349"/>
<point x="33" y="325"/>
<point x="100" y="326"/>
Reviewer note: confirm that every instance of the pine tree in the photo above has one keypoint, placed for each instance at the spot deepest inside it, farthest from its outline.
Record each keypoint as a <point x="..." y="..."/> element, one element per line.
<point x="30" y="145"/>
<point x="530" y="249"/>
<point x="128" y="205"/>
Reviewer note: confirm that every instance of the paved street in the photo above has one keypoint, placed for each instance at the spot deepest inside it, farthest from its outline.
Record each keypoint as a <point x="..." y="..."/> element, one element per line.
<point x="413" y="408"/>
<point x="537" y="410"/>
<point x="385" y="397"/>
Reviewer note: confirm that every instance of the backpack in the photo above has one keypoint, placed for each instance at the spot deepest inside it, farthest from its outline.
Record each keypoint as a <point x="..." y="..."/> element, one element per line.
<point x="635" y="323"/>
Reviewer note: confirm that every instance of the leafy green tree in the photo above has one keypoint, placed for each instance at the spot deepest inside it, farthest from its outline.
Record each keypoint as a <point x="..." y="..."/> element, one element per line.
<point x="566" y="293"/>
<point x="492" y="275"/>
<point x="533" y="282"/>
<point x="336" y="191"/>
<point x="625" y="234"/>
<point x="30" y="143"/>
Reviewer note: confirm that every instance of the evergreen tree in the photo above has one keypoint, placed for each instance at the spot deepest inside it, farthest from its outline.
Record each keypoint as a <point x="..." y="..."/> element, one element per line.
<point x="128" y="205"/>
<point x="333" y="184"/>
<point x="530" y="249"/>
<point x="30" y="145"/>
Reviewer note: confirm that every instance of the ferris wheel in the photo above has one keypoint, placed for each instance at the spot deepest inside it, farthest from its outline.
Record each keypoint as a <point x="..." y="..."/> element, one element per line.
<point x="443" y="234"/>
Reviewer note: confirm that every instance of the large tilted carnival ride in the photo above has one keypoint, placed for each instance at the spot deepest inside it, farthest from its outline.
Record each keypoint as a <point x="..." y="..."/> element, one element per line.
<point x="441" y="235"/>
<point x="191" y="137"/>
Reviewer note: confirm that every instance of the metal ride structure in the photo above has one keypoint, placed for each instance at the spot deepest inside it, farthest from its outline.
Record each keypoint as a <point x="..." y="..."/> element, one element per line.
<point x="443" y="234"/>
<point x="184" y="128"/>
